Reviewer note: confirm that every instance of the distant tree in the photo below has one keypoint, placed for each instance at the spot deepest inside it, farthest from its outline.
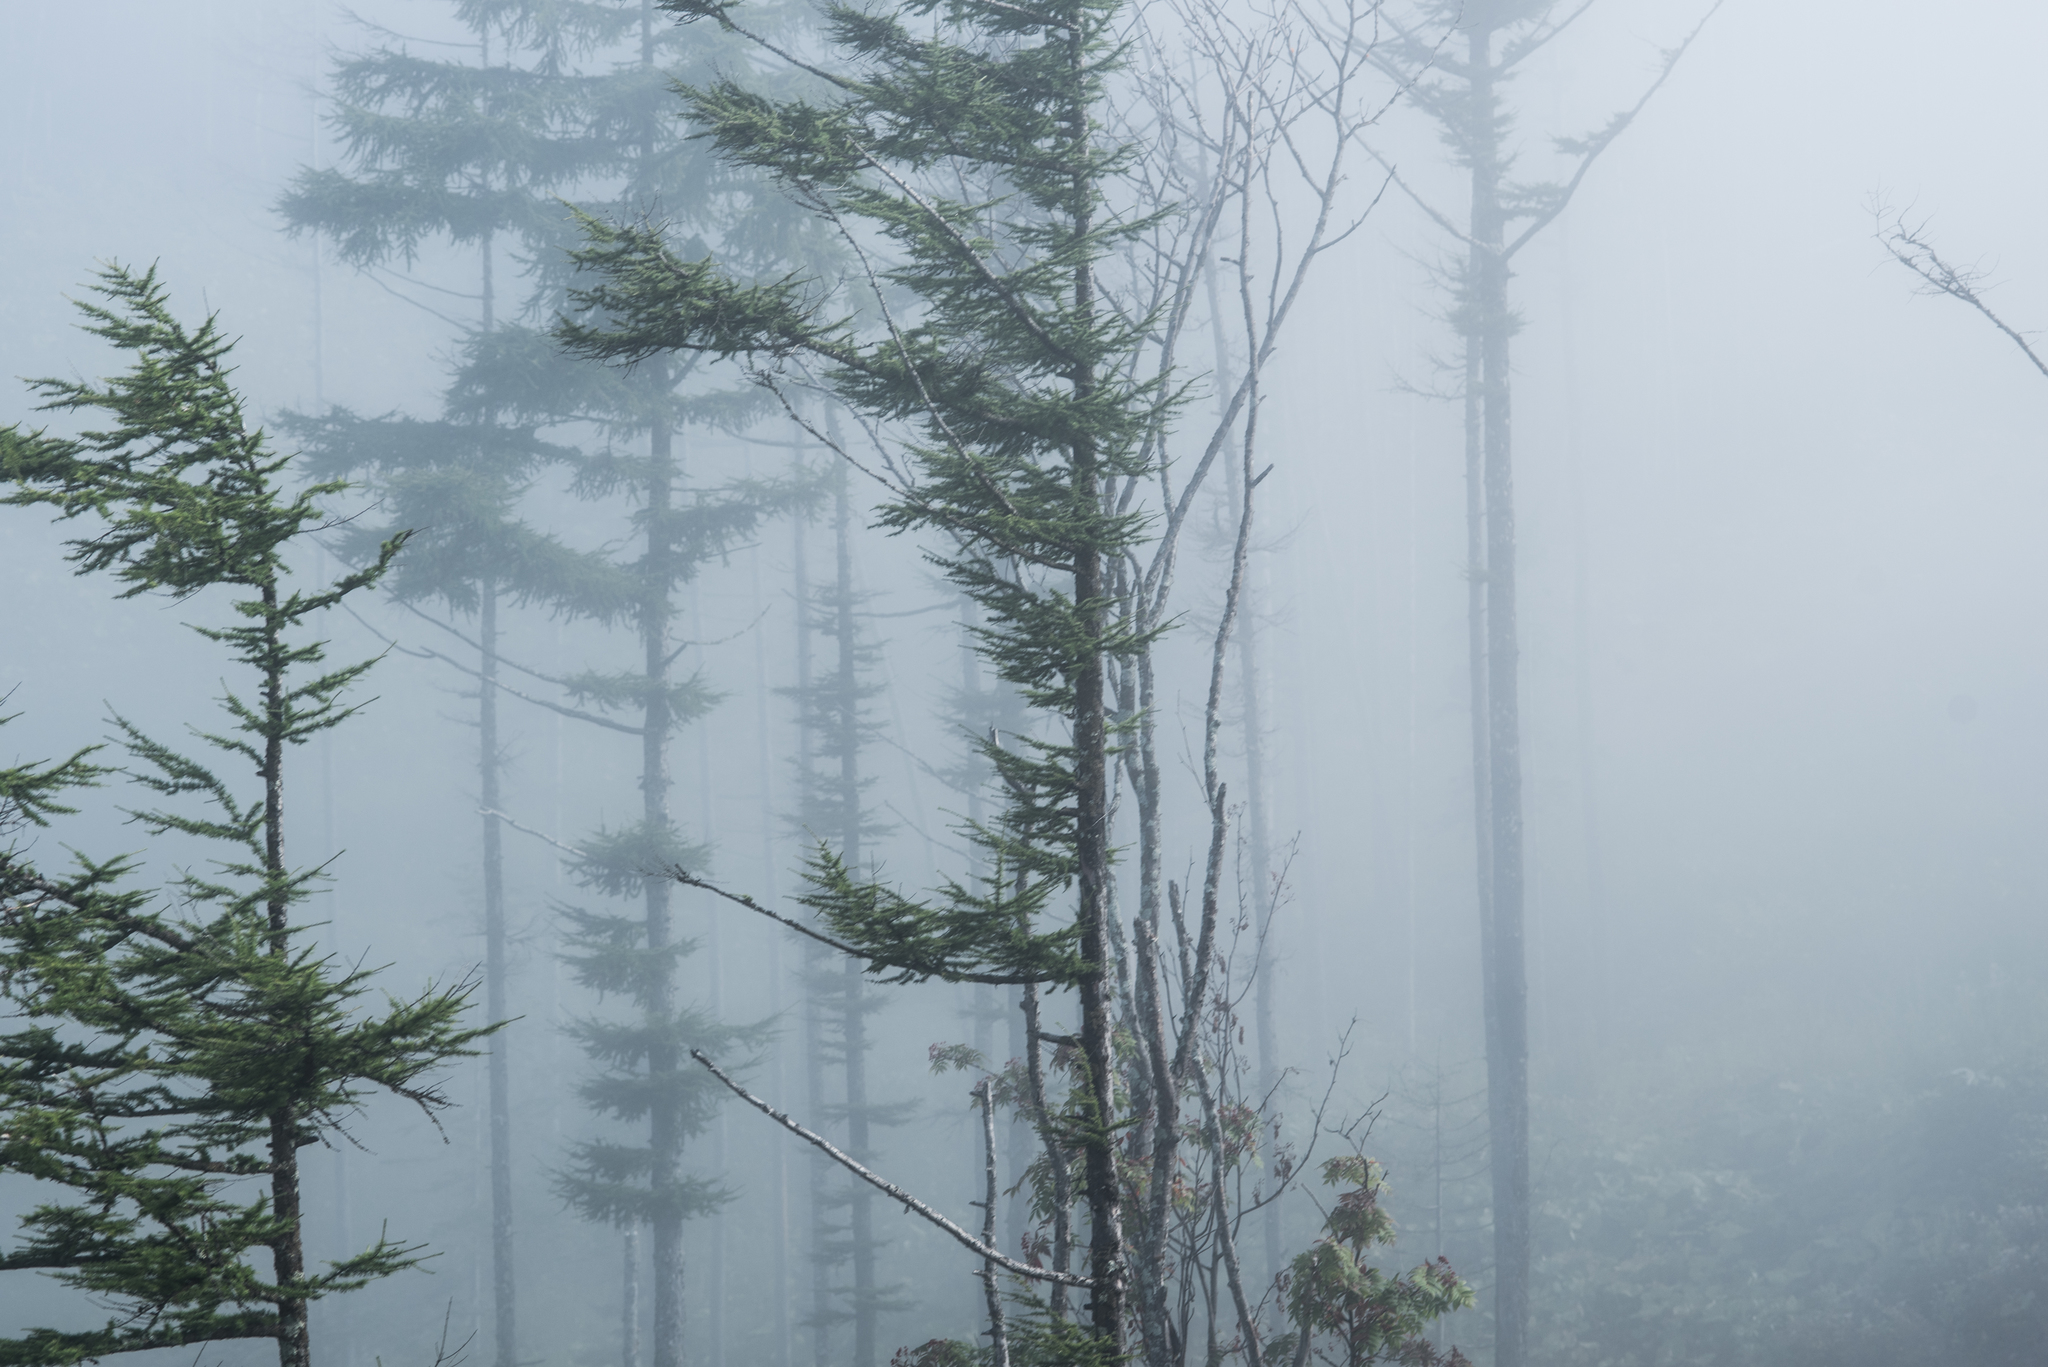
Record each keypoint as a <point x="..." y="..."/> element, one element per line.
<point x="1022" y="415"/>
<point x="578" y="108"/>
<point x="459" y="484"/>
<point x="1454" y="60"/>
<point x="470" y="152"/>
<point x="837" y="730"/>
<point x="1022" y="419"/>
<point x="172" y="1045"/>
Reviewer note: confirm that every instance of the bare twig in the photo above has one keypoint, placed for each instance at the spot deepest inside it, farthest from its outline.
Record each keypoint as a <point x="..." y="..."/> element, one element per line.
<point x="569" y="850"/>
<point x="740" y="899"/>
<point x="429" y="653"/>
<point x="1910" y="248"/>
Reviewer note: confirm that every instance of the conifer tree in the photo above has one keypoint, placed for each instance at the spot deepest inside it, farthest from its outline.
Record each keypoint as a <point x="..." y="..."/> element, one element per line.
<point x="1022" y="413"/>
<point x="1463" y="91"/>
<point x="838" y="729"/>
<point x="1009" y="378"/>
<point x="442" y="148"/>
<point x="580" y="106"/>
<point x="172" y="1045"/>
<point x="460" y="483"/>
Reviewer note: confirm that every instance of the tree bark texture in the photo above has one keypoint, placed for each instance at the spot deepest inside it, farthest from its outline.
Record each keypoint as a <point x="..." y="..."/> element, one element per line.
<point x="1091" y="781"/>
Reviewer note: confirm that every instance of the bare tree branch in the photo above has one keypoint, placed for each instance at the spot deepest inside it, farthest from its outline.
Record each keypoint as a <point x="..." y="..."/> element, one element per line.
<point x="1593" y="146"/>
<point x="888" y="1188"/>
<point x="1910" y="248"/>
<point x="740" y="899"/>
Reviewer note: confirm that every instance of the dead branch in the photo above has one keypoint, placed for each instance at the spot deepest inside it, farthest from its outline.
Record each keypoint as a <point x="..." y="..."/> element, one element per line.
<point x="888" y="1188"/>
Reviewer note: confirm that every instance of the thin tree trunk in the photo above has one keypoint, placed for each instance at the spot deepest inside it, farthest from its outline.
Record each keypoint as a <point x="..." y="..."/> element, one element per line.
<point x="1265" y="901"/>
<point x="1265" y="898"/>
<point x="1226" y="1232"/>
<point x="713" y="1351"/>
<point x="629" y="1307"/>
<point x="664" y="1060"/>
<point x="1017" y="1216"/>
<point x="813" y="969"/>
<point x="998" y="1336"/>
<point x="778" y="1290"/>
<point x="504" y="1335"/>
<point x="1507" y="1054"/>
<point x="288" y="1249"/>
<point x="1055" y="1152"/>
<point x="1164" y="1128"/>
<point x="663" y="1057"/>
<point x="846" y="719"/>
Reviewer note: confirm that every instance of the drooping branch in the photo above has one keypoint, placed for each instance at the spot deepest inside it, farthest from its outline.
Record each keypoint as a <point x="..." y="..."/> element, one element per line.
<point x="740" y="899"/>
<point x="429" y="653"/>
<point x="572" y="851"/>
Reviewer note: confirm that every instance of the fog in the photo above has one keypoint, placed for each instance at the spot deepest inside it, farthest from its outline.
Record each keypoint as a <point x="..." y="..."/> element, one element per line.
<point x="1785" y="757"/>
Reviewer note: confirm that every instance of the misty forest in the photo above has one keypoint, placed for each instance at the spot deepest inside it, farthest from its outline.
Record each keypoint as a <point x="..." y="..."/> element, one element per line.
<point x="1022" y="683"/>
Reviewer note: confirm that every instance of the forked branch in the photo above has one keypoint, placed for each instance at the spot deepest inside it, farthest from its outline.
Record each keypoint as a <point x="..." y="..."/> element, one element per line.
<point x="1909" y="247"/>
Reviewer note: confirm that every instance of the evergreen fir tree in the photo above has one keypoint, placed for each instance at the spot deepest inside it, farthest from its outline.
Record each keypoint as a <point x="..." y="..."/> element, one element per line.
<point x="837" y="730"/>
<point x="580" y="107"/>
<point x="440" y="148"/>
<point x="171" y="1046"/>
<point x="518" y="374"/>
<point x="1008" y="374"/>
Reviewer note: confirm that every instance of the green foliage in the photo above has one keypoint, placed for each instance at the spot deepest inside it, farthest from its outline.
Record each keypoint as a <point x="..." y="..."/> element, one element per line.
<point x="459" y="485"/>
<point x="963" y="169"/>
<point x="183" y="482"/>
<point x="620" y="1183"/>
<point x="1037" y="1338"/>
<point x="966" y="934"/>
<point x="1362" y="1313"/>
<point x="1006" y="380"/>
<point x="163" y="1047"/>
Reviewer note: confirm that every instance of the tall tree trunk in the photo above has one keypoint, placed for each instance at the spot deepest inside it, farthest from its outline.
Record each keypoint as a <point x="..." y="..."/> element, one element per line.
<point x="764" y="759"/>
<point x="504" y="1325"/>
<point x="629" y="1300"/>
<point x="505" y="1339"/>
<point x="663" y="1056"/>
<point x="288" y="1249"/>
<point x="853" y="1026"/>
<point x="1091" y="783"/>
<point x="712" y="1354"/>
<point x="656" y="611"/>
<point x="1258" y="831"/>
<point x="813" y="970"/>
<point x="1506" y="986"/>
